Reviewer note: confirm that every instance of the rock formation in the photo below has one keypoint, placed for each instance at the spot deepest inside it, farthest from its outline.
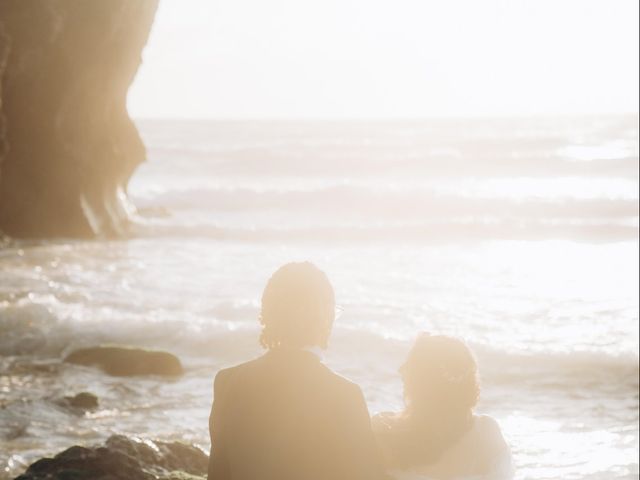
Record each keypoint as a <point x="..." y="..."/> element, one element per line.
<point x="67" y="144"/>
<point x="122" y="458"/>
<point x="127" y="361"/>
<point x="80" y="403"/>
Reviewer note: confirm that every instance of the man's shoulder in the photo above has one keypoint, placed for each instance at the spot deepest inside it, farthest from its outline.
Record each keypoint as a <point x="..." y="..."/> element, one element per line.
<point x="342" y="380"/>
<point x="224" y="375"/>
<point x="343" y="384"/>
<point x="259" y="367"/>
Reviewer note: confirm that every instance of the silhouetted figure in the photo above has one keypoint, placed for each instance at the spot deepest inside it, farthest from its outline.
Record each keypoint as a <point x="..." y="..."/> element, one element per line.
<point x="285" y="415"/>
<point x="438" y="436"/>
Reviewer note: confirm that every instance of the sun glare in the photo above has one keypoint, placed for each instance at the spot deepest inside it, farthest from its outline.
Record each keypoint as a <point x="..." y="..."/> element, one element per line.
<point x="319" y="240"/>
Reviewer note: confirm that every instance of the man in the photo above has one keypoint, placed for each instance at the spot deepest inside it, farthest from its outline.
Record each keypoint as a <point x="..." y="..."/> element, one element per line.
<point x="285" y="415"/>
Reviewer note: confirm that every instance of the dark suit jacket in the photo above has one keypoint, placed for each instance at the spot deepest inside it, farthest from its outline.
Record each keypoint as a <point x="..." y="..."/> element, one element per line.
<point x="286" y="416"/>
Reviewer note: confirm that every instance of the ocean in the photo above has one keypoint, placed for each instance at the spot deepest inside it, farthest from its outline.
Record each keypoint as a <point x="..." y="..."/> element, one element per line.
<point x="518" y="235"/>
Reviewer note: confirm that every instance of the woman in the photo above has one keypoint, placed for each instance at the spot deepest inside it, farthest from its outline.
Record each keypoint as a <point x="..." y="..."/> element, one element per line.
<point x="438" y="436"/>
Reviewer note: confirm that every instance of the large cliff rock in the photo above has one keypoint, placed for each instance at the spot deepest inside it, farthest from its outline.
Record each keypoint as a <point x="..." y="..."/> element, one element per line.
<point x="67" y="144"/>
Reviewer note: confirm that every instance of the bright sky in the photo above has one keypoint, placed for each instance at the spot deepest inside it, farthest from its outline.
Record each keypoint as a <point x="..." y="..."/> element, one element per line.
<point x="388" y="58"/>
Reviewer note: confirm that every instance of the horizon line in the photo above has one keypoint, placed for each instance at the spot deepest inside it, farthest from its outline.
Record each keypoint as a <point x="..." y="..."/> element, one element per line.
<point x="386" y="119"/>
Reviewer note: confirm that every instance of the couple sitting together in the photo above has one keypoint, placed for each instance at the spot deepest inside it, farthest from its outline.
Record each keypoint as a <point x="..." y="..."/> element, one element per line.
<point x="287" y="416"/>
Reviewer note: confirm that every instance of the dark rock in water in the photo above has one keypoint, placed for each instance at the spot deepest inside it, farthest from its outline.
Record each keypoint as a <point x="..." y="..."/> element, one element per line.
<point x="122" y="458"/>
<point x="125" y="361"/>
<point x="67" y="143"/>
<point x="82" y="401"/>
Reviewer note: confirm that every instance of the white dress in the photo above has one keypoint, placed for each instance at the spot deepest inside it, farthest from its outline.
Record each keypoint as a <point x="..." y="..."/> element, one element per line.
<point x="481" y="449"/>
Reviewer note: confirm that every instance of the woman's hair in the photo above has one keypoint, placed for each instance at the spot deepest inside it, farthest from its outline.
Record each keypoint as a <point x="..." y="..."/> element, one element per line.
<point x="440" y="374"/>
<point x="441" y="388"/>
<point x="298" y="307"/>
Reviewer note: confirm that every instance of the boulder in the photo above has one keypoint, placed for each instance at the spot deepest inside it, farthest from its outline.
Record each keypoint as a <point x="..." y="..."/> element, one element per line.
<point x="123" y="458"/>
<point x="82" y="402"/>
<point x="127" y="361"/>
